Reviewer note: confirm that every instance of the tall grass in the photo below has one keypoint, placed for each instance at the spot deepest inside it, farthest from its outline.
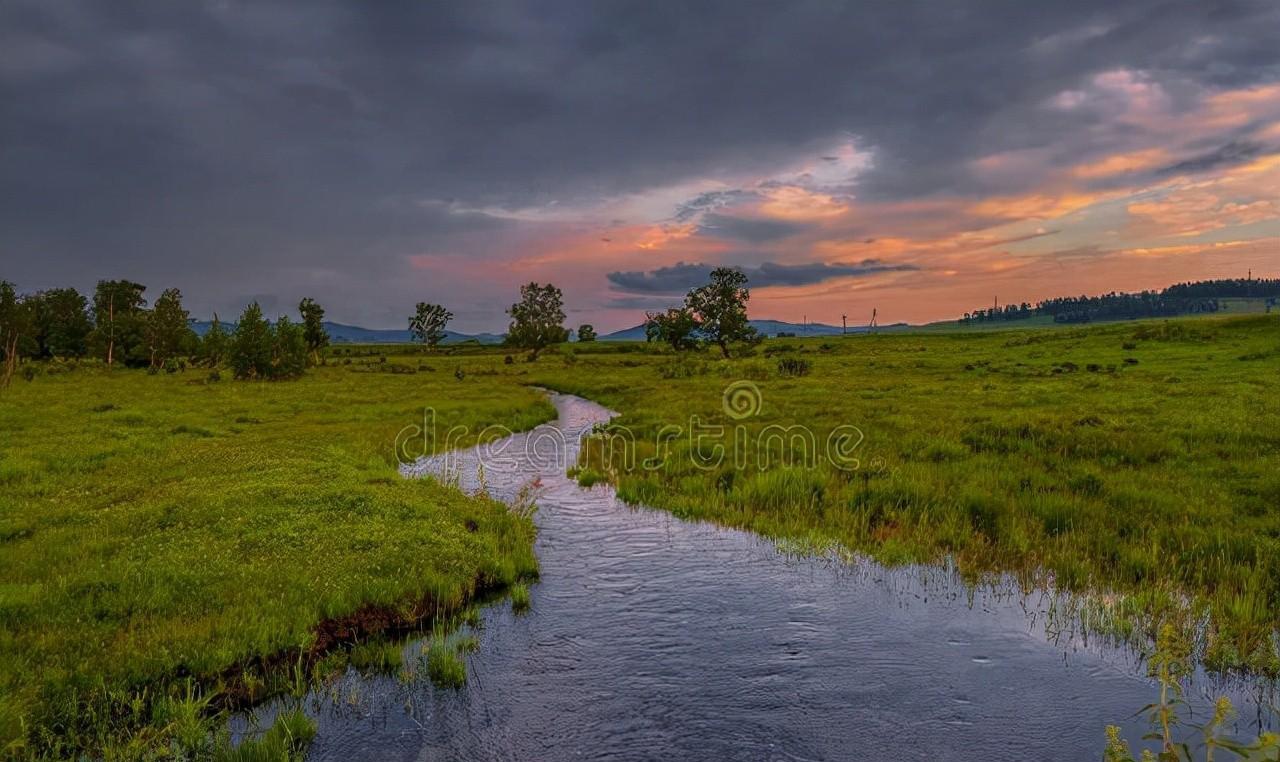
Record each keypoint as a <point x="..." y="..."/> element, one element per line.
<point x="1142" y="459"/>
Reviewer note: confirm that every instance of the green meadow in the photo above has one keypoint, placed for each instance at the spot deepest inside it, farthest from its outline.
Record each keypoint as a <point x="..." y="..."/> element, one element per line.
<point x="174" y="546"/>
<point x="1134" y="458"/>
<point x="171" y="546"/>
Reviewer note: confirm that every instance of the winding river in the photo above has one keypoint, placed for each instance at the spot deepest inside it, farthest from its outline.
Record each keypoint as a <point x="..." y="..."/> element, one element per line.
<point x="650" y="637"/>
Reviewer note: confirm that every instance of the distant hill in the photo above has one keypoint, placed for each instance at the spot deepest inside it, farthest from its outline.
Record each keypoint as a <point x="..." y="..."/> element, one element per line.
<point x="340" y="333"/>
<point x="766" y="327"/>
<point x="1192" y="298"/>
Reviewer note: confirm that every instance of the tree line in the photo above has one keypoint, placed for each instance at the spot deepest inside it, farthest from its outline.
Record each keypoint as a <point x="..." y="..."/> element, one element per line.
<point x="117" y="326"/>
<point x="1179" y="299"/>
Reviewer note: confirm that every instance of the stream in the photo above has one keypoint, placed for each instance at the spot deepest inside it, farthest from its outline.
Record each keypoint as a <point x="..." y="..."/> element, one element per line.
<point x="650" y="637"/>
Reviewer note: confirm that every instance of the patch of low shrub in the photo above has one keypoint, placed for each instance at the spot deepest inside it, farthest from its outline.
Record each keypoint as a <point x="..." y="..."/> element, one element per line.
<point x="793" y="367"/>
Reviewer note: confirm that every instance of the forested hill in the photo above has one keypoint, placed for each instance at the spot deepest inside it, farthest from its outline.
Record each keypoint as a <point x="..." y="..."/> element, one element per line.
<point x="1204" y="296"/>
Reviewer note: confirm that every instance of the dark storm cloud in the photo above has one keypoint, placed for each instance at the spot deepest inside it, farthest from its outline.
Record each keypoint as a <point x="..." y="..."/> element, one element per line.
<point x="1231" y="154"/>
<point x="681" y="277"/>
<point x="705" y="202"/>
<point x="324" y="142"/>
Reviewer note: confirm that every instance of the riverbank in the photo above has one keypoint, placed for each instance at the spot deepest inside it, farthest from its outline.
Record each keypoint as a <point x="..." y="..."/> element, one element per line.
<point x="648" y="632"/>
<point x="171" y="544"/>
<point x="1139" y="460"/>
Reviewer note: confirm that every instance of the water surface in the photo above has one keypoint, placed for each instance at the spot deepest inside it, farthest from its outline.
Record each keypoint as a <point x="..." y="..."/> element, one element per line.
<point x="650" y="637"/>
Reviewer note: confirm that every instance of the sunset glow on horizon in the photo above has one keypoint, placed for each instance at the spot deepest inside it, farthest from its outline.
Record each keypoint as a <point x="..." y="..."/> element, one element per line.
<point x="1081" y="153"/>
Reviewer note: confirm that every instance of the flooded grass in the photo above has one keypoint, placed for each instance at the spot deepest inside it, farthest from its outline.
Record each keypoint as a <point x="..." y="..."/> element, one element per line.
<point x="285" y="741"/>
<point x="446" y="666"/>
<point x="520" y="597"/>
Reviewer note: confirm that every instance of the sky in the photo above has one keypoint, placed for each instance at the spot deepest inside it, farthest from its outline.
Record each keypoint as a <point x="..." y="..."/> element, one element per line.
<point x="917" y="158"/>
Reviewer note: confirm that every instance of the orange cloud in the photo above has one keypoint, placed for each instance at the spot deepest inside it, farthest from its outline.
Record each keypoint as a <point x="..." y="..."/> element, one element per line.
<point x="1035" y="205"/>
<point x="659" y="236"/>
<point x="1242" y="195"/>
<point x="1236" y="108"/>
<point x="1122" y="163"/>
<point x="791" y="202"/>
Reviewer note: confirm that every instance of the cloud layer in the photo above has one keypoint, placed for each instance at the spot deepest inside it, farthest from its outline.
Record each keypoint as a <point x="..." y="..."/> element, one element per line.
<point x="377" y="154"/>
<point x="681" y="277"/>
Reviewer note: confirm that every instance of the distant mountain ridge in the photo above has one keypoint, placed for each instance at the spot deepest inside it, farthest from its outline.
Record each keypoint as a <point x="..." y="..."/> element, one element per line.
<point x="341" y="333"/>
<point x="766" y="327"/>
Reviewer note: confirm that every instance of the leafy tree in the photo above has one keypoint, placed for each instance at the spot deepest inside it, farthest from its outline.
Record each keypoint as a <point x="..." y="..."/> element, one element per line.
<point x="117" y="305"/>
<point x="168" y="327"/>
<point x="586" y="332"/>
<point x="251" y="345"/>
<point x="537" y="320"/>
<point x="288" y="349"/>
<point x="676" y="327"/>
<point x="428" y="323"/>
<point x="15" y="322"/>
<point x="721" y="309"/>
<point x="61" y="322"/>
<point x="313" y="328"/>
<point x="214" y="345"/>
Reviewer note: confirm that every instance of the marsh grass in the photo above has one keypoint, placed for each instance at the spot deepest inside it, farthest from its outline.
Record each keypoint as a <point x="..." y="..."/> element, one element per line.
<point x="1175" y="736"/>
<point x="159" y="531"/>
<point x="1153" y="488"/>
<point x="285" y="741"/>
<point x="446" y="665"/>
<point x="520" y="597"/>
<point x="377" y="655"/>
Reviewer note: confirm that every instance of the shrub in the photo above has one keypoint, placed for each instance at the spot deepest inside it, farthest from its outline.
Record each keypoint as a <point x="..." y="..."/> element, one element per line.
<point x="793" y="367"/>
<point x="683" y="367"/>
<point x="260" y="350"/>
<point x="289" y="349"/>
<point x="250" y="352"/>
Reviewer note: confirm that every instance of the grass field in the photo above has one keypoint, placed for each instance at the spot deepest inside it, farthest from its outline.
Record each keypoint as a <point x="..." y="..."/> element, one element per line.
<point x="1141" y="458"/>
<point x="170" y="545"/>
<point x="163" y="534"/>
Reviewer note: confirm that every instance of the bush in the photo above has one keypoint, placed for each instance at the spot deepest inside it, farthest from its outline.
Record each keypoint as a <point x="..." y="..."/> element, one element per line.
<point x="260" y="350"/>
<point x="793" y="367"/>
<point x="683" y="367"/>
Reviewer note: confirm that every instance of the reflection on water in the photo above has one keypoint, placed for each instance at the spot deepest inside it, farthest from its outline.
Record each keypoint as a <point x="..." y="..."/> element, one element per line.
<point x="651" y="637"/>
